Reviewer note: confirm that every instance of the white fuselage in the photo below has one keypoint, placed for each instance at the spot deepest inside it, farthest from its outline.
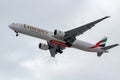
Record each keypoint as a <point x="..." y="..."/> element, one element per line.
<point x="49" y="37"/>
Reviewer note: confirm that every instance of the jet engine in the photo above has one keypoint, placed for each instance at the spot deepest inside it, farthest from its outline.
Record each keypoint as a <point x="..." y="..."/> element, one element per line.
<point x="43" y="46"/>
<point x="59" y="34"/>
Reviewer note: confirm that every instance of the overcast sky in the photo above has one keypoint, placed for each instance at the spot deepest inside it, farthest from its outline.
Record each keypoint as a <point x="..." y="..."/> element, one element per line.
<point x="21" y="59"/>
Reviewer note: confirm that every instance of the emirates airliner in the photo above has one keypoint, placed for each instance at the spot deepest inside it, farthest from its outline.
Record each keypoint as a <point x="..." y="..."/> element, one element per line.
<point x="58" y="40"/>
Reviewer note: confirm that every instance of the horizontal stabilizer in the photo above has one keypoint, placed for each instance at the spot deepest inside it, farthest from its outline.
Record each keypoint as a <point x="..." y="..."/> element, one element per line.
<point x="99" y="54"/>
<point x="110" y="46"/>
<point x="106" y="48"/>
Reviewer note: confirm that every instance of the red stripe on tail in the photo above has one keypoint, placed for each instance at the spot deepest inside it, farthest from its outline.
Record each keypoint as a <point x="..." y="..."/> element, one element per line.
<point x="96" y="45"/>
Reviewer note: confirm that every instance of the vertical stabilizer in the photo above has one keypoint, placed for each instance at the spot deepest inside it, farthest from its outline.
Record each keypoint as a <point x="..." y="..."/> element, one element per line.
<point x="100" y="43"/>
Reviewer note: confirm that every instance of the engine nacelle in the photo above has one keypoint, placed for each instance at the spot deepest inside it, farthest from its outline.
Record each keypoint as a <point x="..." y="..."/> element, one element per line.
<point x="59" y="34"/>
<point x="43" y="46"/>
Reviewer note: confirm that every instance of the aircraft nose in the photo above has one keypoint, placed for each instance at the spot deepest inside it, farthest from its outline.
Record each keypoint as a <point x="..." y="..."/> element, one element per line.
<point x="11" y="26"/>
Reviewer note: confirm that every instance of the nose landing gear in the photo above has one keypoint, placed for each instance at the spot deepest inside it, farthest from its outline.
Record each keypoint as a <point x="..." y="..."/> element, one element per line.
<point x="16" y="33"/>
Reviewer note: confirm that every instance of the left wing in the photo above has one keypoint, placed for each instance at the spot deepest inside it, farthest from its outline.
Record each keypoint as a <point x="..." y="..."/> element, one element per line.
<point x="54" y="49"/>
<point x="80" y="30"/>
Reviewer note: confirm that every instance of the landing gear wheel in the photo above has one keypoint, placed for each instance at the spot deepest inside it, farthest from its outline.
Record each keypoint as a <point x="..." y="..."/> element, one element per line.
<point x="17" y="34"/>
<point x="61" y="52"/>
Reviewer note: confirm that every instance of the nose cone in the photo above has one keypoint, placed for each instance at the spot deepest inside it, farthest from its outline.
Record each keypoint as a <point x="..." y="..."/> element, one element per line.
<point x="10" y="26"/>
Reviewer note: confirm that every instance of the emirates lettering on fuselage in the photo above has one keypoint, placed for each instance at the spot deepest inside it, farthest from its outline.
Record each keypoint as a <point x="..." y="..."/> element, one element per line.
<point x="35" y="29"/>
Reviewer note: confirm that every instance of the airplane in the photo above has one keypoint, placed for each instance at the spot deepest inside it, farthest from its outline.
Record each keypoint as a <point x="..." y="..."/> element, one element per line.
<point x="58" y="40"/>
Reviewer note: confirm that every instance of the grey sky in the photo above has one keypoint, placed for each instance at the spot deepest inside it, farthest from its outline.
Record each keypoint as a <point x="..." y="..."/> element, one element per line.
<point x="20" y="58"/>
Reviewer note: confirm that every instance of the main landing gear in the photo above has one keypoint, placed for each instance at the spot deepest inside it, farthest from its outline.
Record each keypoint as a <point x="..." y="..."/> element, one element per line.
<point x="60" y="51"/>
<point x="16" y="33"/>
